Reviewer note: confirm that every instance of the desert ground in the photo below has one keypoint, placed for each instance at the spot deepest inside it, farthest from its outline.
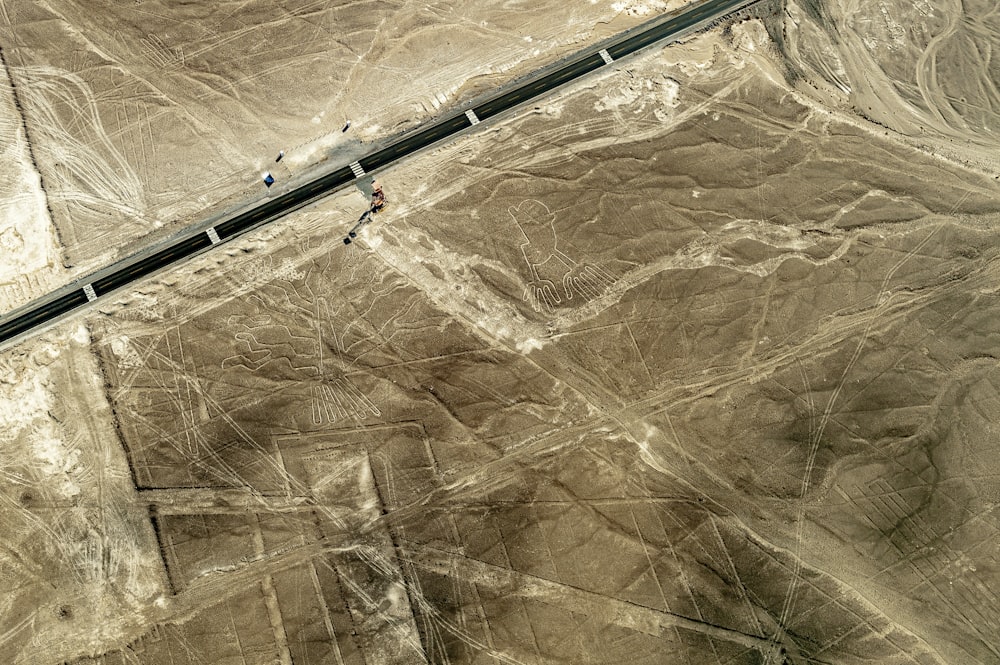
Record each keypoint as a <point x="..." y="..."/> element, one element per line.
<point x="144" y="117"/>
<point x="693" y="361"/>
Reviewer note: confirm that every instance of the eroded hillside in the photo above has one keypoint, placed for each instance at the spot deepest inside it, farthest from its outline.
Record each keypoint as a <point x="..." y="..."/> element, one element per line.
<point x="690" y="362"/>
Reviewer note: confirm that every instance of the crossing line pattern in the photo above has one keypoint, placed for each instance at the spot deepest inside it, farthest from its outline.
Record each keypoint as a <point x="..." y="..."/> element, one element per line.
<point x="357" y="170"/>
<point x="927" y="554"/>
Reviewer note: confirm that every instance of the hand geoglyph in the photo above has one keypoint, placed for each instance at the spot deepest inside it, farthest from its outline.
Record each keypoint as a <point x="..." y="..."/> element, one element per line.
<point x="549" y="266"/>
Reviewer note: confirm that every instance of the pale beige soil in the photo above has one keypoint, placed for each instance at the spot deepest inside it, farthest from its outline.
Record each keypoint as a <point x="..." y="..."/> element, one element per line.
<point x="685" y="364"/>
<point x="79" y="561"/>
<point x="923" y="69"/>
<point x="145" y="116"/>
<point x="30" y="262"/>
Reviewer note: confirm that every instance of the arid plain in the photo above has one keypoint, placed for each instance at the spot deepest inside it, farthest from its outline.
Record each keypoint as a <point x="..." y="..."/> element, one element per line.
<point x="692" y="362"/>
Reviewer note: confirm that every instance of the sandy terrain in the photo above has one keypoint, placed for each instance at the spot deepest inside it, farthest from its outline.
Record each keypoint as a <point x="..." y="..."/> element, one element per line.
<point x="921" y="68"/>
<point x="29" y="256"/>
<point x="79" y="560"/>
<point x="689" y="363"/>
<point x="145" y="116"/>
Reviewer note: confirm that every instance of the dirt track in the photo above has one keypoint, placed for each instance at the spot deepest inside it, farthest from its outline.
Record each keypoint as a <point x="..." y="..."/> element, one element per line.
<point x="689" y="363"/>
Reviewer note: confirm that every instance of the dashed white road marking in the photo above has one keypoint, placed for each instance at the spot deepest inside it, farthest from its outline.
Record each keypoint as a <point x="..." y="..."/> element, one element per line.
<point x="471" y="115"/>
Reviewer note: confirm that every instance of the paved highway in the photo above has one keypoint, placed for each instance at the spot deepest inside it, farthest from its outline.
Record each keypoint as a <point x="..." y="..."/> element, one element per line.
<point x="46" y="310"/>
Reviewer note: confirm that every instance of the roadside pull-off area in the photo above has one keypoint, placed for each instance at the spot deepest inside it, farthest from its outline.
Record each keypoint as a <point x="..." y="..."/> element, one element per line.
<point x="155" y="258"/>
<point x="681" y="357"/>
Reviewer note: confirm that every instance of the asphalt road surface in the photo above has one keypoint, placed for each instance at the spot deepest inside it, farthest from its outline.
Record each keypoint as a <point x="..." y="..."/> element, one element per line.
<point x="43" y="312"/>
